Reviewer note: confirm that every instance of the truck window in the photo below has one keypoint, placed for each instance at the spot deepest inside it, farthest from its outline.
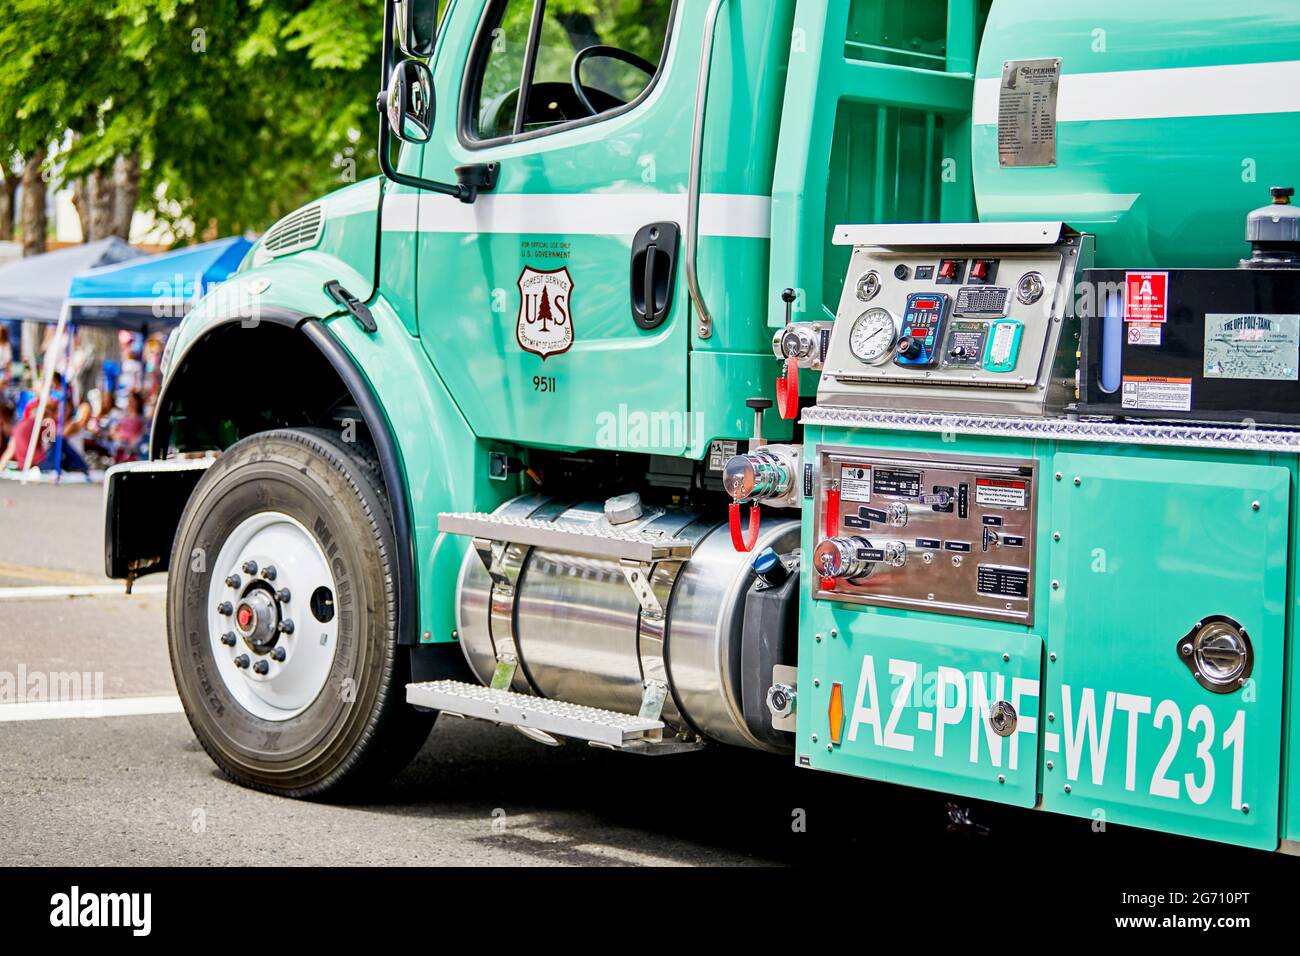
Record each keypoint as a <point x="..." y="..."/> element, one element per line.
<point x="525" y="73"/>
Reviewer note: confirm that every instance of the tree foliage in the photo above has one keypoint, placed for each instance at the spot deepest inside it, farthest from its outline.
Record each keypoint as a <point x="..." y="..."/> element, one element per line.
<point x="238" y="110"/>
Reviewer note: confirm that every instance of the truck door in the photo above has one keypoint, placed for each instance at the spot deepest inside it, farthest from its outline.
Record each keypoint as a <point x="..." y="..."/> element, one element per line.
<point x="526" y="297"/>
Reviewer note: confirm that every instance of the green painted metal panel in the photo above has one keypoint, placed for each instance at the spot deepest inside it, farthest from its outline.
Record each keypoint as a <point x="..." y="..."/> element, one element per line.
<point x="1148" y="547"/>
<point x="875" y="128"/>
<point x="468" y="276"/>
<point x="1172" y="186"/>
<point x="916" y="691"/>
<point x="446" y="464"/>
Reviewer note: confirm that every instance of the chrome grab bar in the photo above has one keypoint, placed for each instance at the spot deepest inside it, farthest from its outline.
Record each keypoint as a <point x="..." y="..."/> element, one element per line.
<point x="704" y="327"/>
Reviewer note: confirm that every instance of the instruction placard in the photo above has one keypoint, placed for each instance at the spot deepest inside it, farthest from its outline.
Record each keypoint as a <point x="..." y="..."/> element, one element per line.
<point x="1157" y="394"/>
<point x="1146" y="296"/>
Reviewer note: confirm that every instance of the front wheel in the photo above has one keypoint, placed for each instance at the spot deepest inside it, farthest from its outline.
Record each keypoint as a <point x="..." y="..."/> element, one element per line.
<point x="282" y="618"/>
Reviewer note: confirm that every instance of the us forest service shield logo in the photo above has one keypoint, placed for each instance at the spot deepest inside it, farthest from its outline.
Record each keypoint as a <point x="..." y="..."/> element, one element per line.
<point x="545" y="311"/>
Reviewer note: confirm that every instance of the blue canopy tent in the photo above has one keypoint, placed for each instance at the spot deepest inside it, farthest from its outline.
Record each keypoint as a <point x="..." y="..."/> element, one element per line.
<point x="143" y="294"/>
<point x="155" y="291"/>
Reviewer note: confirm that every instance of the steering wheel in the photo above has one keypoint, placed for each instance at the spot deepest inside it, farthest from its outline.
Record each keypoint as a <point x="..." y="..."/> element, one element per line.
<point x="611" y="53"/>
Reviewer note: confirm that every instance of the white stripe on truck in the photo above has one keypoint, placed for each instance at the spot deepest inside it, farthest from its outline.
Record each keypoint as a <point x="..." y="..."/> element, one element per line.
<point x="577" y="214"/>
<point x="1231" y="90"/>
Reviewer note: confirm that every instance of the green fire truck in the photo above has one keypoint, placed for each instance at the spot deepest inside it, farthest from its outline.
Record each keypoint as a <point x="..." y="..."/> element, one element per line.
<point x="908" y="390"/>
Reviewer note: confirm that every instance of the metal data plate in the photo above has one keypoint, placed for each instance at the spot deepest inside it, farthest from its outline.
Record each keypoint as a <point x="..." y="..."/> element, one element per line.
<point x="1027" y="112"/>
<point x="973" y="558"/>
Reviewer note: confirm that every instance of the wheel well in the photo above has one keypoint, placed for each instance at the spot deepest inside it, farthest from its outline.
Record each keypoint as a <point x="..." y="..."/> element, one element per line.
<point x="239" y="380"/>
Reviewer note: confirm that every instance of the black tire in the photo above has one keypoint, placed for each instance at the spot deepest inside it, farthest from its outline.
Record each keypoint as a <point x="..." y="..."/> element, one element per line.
<point x="359" y="730"/>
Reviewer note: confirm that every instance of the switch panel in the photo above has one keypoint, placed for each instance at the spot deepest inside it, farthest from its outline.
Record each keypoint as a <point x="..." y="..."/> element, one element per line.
<point x="949" y="535"/>
<point x="973" y="317"/>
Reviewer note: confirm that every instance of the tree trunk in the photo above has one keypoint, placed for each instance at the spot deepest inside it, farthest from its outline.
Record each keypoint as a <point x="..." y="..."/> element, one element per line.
<point x="100" y="200"/>
<point x="78" y="190"/>
<point x="8" y="189"/>
<point x="126" y="192"/>
<point x="34" y="205"/>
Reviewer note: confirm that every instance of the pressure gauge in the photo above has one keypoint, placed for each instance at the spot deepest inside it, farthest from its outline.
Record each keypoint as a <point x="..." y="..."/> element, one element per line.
<point x="873" y="336"/>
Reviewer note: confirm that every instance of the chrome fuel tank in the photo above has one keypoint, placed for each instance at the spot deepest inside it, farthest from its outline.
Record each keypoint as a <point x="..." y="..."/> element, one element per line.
<point x="579" y="631"/>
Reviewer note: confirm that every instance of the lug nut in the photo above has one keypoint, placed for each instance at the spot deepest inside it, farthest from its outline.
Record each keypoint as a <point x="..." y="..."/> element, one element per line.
<point x="282" y="595"/>
<point x="268" y="572"/>
<point x="241" y="661"/>
<point x="234" y="581"/>
<point x="250" y="567"/>
<point x="277" y="654"/>
<point x="285" y="627"/>
<point x="225" y="609"/>
<point x="261" y="667"/>
<point x="228" y="638"/>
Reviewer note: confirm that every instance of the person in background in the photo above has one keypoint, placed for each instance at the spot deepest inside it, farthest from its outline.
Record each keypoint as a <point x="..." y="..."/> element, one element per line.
<point x="21" y="439"/>
<point x="6" y="357"/>
<point x="128" y="432"/>
<point x="6" y="422"/>
<point x="93" y="420"/>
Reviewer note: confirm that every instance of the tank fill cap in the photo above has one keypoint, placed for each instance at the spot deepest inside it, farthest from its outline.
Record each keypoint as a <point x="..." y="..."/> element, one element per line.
<point x="1273" y="232"/>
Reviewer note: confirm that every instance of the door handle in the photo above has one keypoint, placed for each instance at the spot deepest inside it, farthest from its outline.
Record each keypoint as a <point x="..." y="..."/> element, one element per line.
<point x="654" y="273"/>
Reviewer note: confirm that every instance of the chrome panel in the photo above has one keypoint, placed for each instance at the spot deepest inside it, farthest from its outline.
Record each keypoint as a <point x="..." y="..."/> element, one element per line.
<point x="1059" y="429"/>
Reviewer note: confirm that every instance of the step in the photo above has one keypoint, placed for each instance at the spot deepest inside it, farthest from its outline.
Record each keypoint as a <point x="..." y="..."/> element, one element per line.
<point x="606" y="728"/>
<point x="598" y="540"/>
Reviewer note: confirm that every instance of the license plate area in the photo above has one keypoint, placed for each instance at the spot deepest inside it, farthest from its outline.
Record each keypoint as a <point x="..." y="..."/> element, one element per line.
<point x="945" y="705"/>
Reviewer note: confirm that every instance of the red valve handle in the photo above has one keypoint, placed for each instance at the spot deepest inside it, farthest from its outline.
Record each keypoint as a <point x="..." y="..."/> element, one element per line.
<point x="743" y="541"/>
<point x="787" y="390"/>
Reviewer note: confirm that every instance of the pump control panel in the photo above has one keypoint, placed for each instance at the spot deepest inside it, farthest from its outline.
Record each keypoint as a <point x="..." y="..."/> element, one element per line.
<point x="965" y="317"/>
<point x="923" y="329"/>
<point x="953" y="536"/>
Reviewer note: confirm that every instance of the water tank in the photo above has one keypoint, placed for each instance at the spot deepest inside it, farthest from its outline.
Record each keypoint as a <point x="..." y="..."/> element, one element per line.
<point x="1171" y="120"/>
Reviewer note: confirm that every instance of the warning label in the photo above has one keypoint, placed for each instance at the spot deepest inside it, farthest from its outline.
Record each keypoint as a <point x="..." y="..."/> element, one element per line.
<point x="1157" y="394"/>
<point x="1140" y="333"/>
<point x="1146" y="296"/>
<point x="721" y="452"/>
<point x="855" y="483"/>
<point x="1000" y="493"/>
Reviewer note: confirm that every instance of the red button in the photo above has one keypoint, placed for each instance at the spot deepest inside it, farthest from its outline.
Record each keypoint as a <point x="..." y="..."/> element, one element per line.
<point x="979" y="270"/>
<point x="947" y="269"/>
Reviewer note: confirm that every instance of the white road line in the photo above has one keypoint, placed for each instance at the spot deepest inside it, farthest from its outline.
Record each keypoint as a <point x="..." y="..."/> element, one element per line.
<point x="44" y="592"/>
<point x="78" y="709"/>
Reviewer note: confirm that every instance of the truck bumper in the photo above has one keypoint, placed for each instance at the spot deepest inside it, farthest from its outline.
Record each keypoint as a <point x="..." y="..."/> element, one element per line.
<point x="143" y="502"/>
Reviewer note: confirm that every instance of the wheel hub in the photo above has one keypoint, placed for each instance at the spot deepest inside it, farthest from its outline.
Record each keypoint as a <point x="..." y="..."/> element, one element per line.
<point x="272" y="626"/>
<point x="257" y="616"/>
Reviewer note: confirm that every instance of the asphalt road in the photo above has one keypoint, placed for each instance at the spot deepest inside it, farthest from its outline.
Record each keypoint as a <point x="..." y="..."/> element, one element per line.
<point x="139" y="790"/>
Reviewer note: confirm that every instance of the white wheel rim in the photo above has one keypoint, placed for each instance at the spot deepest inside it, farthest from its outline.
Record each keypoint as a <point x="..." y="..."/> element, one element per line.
<point x="274" y="678"/>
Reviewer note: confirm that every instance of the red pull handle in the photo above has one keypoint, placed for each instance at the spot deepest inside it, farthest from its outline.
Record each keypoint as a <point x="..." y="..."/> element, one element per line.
<point x="743" y="541"/>
<point x="787" y="390"/>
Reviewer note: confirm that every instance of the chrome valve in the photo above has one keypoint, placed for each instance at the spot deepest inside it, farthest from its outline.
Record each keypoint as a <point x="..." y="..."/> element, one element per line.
<point x="767" y="475"/>
<point x="801" y="341"/>
<point x="843" y="558"/>
<point x="854" y="557"/>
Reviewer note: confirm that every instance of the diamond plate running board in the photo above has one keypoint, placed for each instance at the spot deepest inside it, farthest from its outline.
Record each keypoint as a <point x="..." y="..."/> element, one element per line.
<point x="598" y="541"/>
<point x="605" y="728"/>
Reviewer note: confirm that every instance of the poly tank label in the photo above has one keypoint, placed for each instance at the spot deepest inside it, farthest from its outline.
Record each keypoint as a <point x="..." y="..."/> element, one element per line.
<point x="1261" y="347"/>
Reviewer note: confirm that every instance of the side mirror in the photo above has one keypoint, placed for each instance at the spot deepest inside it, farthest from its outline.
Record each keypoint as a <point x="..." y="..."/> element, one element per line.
<point x="417" y="26"/>
<point x="411" y="104"/>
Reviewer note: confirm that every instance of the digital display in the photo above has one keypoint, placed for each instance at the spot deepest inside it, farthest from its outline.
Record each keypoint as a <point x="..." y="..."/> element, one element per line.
<point x="924" y="304"/>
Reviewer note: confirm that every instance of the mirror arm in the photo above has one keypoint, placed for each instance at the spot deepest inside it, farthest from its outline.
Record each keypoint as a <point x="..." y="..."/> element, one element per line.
<point x="465" y="193"/>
